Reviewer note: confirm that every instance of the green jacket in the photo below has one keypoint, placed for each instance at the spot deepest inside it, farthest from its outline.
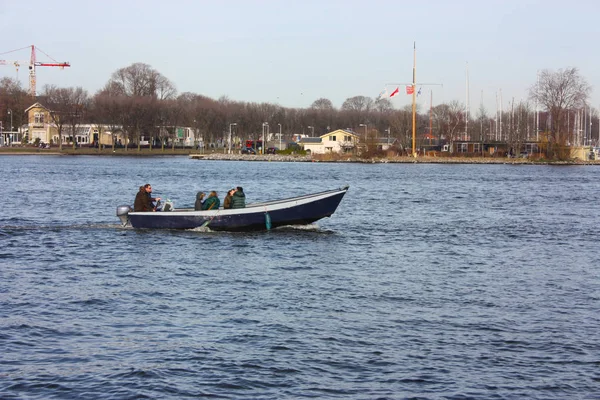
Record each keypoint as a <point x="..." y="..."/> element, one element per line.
<point x="212" y="203"/>
<point x="238" y="200"/>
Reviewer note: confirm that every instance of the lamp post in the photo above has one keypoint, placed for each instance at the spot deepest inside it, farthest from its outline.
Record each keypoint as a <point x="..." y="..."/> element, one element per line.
<point x="11" y="125"/>
<point x="262" y="149"/>
<point x="230" y="125"/>
<point x="312" y="128"/>
<point x="279" y="136"/>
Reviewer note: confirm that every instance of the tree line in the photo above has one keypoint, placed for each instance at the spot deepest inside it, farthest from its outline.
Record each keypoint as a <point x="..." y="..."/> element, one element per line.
<point x="143" y="102"/>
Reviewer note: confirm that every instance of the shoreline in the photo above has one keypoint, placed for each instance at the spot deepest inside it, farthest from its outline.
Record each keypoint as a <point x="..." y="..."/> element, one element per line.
<point x="290" y="158"/>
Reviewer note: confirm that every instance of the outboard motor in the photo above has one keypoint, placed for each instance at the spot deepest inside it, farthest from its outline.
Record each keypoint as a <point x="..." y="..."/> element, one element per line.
<point x="123" y="214"/>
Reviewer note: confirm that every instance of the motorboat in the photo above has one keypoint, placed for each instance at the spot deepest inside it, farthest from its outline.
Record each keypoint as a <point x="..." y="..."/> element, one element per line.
<point x="299" y="210"/>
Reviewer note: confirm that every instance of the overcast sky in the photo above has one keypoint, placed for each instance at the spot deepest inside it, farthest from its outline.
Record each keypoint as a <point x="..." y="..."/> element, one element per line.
<point x="294" y="52"/>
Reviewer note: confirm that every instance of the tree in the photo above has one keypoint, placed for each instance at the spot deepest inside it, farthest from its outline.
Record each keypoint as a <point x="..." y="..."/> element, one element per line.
<point x="142" y="92"/>
<point x="66" y="106"/>
<point x="358" y="103"/>
<point x="141" y="80"/>
<point x="13" y="102"/>
<point x="559" y="92"/>
<point x="322" y="104"/>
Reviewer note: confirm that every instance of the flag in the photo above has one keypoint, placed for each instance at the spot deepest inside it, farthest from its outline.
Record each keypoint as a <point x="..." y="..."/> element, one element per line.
<point x="419" y="92"/>
<point x="382" y="94"/>
<point x="410" y="89"/>
<point x="395" y="92"/>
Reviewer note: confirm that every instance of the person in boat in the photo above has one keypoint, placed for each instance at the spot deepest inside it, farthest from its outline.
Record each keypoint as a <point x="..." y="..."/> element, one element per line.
<point x="144" y="200"/>
<point x="227" y="201"/>
<point x="238" y="199"/>
<point x="199" y="201"/>
<point x="212" y="203"/>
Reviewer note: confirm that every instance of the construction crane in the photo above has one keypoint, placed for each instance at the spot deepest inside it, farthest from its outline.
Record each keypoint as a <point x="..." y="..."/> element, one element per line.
<point x="32" y="64"/>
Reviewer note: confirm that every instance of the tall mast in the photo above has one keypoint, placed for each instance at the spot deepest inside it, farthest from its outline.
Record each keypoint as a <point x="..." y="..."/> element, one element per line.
<point x="414" y="102"/>
<point x="481" y="121"/>
<point x="32" y="81"/>
<point x="496" y="124"/>
<point x="500" y="114"/>
<point x="467" y="104"/>
<point x="537" y="113"/>
<point x="430" y="116"/>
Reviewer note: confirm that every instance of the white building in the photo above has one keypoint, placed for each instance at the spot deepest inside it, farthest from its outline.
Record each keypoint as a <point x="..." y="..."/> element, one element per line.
<point x="338" y="141"/>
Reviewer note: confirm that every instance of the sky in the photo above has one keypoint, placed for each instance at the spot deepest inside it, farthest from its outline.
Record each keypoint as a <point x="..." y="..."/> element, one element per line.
<point x="294" y="52"/>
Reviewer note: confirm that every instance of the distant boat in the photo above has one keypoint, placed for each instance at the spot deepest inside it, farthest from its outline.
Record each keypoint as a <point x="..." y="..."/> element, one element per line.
<point x="301" y="210"/>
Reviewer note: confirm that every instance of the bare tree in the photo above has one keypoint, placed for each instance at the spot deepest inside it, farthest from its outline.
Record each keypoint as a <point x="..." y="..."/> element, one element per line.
<point x="322" y="104"/>
<point x="13" y="102"/>
<point x="140" y="79"/>
<point x="559" y="92"/>
<point x="358" y="103"/>
<point x="383" y="105"/>
<point x="143" y="91"/>
<point x="61" y="103"/>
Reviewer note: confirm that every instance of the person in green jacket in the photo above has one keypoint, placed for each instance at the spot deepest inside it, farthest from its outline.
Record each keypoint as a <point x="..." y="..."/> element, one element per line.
<point x="238" y="199"/>
<point x="212" y="203"/>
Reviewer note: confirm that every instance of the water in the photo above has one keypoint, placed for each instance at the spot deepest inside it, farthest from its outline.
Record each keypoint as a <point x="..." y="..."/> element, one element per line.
<point x="430" y="281"/>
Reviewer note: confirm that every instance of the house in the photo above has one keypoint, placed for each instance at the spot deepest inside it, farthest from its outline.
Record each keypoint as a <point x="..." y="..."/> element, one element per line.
<point x="40" y="125"/>
<point x="338" y="141"/>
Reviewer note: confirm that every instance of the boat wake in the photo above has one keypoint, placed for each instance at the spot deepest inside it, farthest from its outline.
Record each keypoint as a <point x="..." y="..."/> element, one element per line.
<point x="287" y="228"/>
<point x="52" y="227"/>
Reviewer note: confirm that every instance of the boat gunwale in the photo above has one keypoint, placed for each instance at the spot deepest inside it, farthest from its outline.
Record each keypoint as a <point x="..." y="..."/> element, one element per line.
<point x="249" y="209"/>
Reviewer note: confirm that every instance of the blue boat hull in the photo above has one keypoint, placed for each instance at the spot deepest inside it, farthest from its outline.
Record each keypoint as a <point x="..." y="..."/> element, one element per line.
<point x="300" y="210"/>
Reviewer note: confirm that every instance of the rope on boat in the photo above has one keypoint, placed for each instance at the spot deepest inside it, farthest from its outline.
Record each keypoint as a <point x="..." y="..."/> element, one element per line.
<point x="267" y="219"/>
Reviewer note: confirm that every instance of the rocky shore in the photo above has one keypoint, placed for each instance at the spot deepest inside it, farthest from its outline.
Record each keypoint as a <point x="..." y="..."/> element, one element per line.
<point x="293" y="158"/>
<point x="398" y="159"/>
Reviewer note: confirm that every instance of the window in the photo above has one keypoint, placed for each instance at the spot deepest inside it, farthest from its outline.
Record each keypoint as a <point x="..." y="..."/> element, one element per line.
<point x="347" y="138"/>
<point x="38" y="118"/>
<point x="332" y="138"/>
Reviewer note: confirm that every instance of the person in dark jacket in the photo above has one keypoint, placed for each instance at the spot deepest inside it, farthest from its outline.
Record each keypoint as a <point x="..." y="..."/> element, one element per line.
<point x="227" y="201"/>
<point x="199" y="201"/>
<point x="238" y="199"/>
<point x="212" y="203"/>
<point x="144" y="200"/>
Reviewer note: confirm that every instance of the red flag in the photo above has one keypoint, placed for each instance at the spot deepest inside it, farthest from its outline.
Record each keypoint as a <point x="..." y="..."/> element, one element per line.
<point x="395" y="92"/>
<point x="410" y="89"/>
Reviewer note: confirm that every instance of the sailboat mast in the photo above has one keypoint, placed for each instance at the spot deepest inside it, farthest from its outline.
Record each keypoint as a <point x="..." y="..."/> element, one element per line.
<point x="537" y="113"/>
<point x="430" y="116"/>
<point x="467" y="103"/>
<point x="414" y="102"/>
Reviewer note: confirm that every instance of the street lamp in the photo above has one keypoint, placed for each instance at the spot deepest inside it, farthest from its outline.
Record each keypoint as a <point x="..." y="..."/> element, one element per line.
<point x="11" y="125"/>
<point x="312" y="128"/>
<point x="230" y="125"/>
<point x="262" y="149"/>
<point x="279" y="136"/>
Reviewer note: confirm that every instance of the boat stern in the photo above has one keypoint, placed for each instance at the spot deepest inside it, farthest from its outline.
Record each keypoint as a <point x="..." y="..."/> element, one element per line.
<point x="123" y="214"/>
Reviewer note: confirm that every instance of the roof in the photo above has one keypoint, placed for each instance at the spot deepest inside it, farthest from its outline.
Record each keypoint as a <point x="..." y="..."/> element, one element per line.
<point x="310" y="140"/>
<point x="340" y="131"/>
<point x="37" y="105"/>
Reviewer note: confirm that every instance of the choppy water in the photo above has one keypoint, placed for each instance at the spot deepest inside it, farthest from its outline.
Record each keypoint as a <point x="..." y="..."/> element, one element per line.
<point x="430" y="281"/>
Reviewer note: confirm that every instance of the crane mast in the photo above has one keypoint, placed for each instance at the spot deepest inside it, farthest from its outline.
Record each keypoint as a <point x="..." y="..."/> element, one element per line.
<point x="32" y="64"/>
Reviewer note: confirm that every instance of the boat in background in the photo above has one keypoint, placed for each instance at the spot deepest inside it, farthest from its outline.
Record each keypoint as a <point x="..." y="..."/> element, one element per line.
<point x="300" y="210"/>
